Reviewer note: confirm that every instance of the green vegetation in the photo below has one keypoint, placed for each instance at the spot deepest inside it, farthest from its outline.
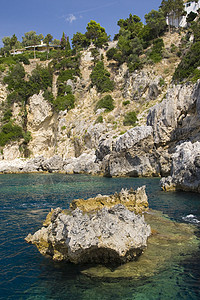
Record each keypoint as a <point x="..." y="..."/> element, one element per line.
<point x="105" y="102"/>
<point x="134" y="37"/>
<point x="64" y="102"/>
<point x="187" y="69"/>
<point x="156" y="52"/>
<point x="7" y="115"/>
<point x="156" y="21"/>
<point x="10" y="132"/>
<point x="95" y="34"/>
<point x="100" y="78"/>
<point x="99" y="119"/>
<point x="126" y="102"/>
<point x="172" y="6"/>
<point x="130" y="119"/>
<point x="161" y="82"/>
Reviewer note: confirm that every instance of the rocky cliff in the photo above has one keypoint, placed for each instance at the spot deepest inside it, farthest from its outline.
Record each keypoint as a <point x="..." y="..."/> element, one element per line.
<point x="72" y="141"/>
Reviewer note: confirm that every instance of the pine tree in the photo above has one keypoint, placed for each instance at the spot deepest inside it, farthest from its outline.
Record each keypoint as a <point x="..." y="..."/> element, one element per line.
<point x="63" y="42"/>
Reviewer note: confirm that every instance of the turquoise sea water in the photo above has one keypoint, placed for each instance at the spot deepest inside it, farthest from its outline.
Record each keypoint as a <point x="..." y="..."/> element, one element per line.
<point x="25" y="274"/>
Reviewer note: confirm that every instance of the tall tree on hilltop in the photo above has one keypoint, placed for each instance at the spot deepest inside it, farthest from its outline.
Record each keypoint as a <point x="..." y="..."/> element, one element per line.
<point x="68" y="47"/>
<point x="6" y="43"/>
<point x="178" y="8"/>
<point x="48" y="39"/>
<point x="30" y="38"/>
<point x="156" y="21"/>
<point x="96" y="34"/>
<point x="175" y="8"/>
<point x="79" y="41"/>
<point x="13" y="41"/>
<point x="63" y="42"/>
<point x="130" y="27"/>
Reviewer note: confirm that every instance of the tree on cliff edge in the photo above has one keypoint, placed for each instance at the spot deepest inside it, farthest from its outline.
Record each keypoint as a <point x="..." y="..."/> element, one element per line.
<point x="96" y="34"/>
<point x="48" y="39"/>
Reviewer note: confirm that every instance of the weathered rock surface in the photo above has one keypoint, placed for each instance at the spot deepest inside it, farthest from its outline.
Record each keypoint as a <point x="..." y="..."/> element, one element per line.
<point x="13" y="166"/>
<point x="136" y="201"/>
<point x="185" y="173"/>
<point x="131" y="154"/>
<point x="175" y="115"/>
<point x="109" y="235"/>
<point x="141" y="84"/>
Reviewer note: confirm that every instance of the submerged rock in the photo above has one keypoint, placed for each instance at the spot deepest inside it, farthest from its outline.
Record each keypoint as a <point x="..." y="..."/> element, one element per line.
<point x="109" y="235"/>
<point x="169" y="243"/>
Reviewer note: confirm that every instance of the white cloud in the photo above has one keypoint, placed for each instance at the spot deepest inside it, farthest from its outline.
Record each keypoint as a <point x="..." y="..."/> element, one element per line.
<point x="70" y="18"/>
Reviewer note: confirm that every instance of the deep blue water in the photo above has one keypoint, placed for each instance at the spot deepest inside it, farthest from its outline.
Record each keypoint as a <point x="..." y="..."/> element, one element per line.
<point x="25" y="200"/>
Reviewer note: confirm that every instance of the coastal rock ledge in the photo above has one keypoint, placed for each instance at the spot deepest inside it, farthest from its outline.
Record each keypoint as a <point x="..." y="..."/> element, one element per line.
<point x="111" y="235"/>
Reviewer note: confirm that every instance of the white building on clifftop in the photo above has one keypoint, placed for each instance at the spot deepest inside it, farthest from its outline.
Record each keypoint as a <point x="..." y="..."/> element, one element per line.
<point x="190" y="6"/>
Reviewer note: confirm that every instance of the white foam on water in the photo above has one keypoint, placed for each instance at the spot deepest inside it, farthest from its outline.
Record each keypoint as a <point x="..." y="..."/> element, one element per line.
<point x="191" y="219"/>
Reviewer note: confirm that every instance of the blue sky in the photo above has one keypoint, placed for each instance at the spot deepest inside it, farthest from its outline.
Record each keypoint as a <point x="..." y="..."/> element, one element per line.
<point x="58" y="16"/>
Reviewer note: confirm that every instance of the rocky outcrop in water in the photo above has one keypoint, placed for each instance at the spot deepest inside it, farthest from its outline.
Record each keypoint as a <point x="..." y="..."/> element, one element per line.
<point x="185" y="174"/>
<point x="136" y="201"/>
<point x="109" y="235"/>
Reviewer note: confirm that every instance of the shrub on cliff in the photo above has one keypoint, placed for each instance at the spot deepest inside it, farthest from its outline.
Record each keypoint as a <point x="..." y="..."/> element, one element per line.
<point x="130" y="119"/>
<point x="106" y="102"/>
<point x="64" y="102"/>
<point x="10" y="132"/>
<point x="15" y="77"/>
<point x="156" y="52"/>
<point x="100" y="78"/>
<point x="187" y="69"/>
<point x="40" y="79"/>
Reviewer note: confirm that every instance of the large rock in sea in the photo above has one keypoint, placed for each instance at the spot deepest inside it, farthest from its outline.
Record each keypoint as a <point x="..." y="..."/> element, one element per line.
<point x="112" y="234"/>
<point x="185" y="170"/>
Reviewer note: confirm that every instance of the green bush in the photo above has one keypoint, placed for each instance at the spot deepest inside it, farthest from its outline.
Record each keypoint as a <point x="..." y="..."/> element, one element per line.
<point x="196" y="76"/>
<point x="110" y="54"/>
<point x="15" y="77"/>
<point x="106" y="102"/>
<point x="100" y="78"/>
<point x="126" y="102"/>
<point x="156" y="53"/>
<point x="27" y="137"/>
<point x="189" y="63"/>
<point x="64" y="102"/>
<point x="10" y="132"/>
<point x="7" y="61"/>
<point x="161" y="82"/>
<point x="65" y="75"/>
<point x="14" y="97"/>
<point x="2" y="68"/>
<point x="40" y="79"/>
<point x="99" y="119"/>
<point x="48" y="96"/>
<point x="22" y="58"/>
<point x="7" y="115"/>
<point x="64" y="89"/>
<point x="130" y="119"/>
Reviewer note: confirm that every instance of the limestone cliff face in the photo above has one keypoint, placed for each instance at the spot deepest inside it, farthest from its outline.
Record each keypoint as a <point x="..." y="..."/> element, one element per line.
<point x="147" y="150"/>
<point x="42" y="124"/>
<point x="168" y="115"/>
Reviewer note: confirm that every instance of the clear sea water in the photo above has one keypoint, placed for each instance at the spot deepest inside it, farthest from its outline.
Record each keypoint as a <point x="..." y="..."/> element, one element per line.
<point x="25" y="199"/>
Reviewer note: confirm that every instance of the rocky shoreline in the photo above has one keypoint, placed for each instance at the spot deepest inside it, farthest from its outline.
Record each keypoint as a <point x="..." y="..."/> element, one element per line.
<point x="167" y="146"/>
